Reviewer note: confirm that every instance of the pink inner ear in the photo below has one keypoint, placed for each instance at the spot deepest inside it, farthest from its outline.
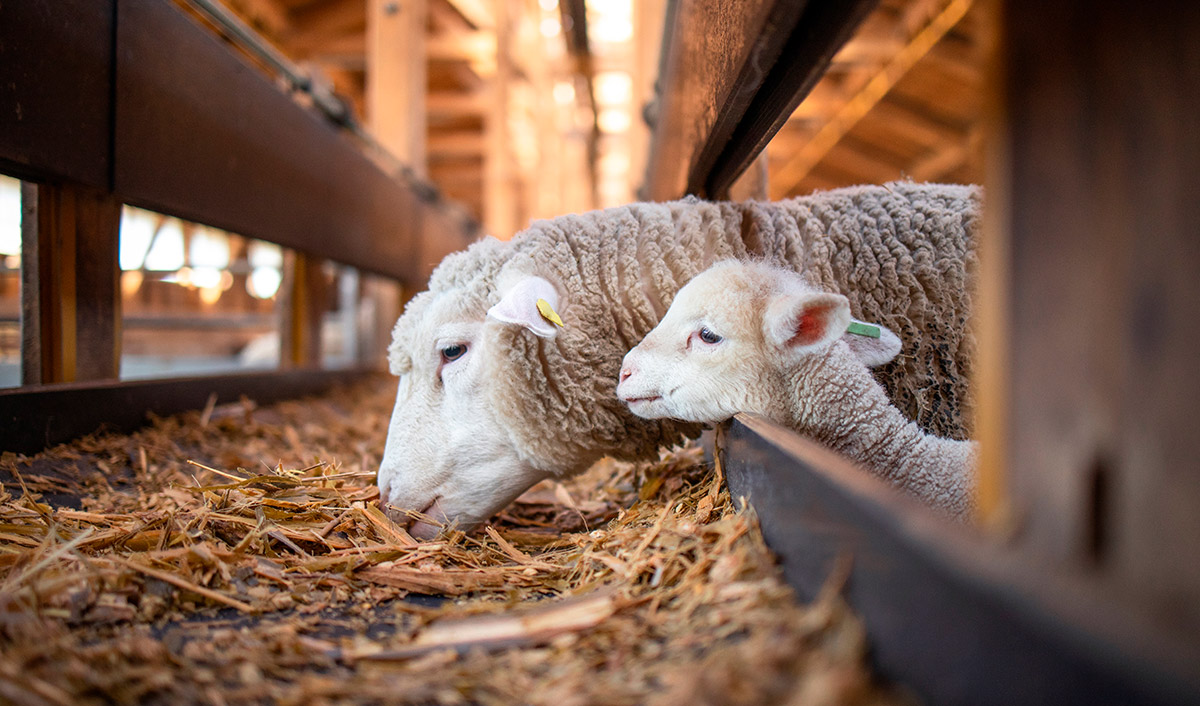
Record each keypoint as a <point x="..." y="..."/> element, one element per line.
<point x="810" y="327"/>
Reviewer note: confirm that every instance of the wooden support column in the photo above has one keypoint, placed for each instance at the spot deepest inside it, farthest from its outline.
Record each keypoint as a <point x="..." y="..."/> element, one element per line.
<point x="499" y="195"/>
<point x="1097" y="350"/>
<point x="396" y="68"/>
<point x="71" y="296"/>
<point x="302" y="311"/>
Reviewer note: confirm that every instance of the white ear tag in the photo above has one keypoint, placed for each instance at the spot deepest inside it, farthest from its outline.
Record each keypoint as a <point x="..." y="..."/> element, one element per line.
<point x="530" y="303"/>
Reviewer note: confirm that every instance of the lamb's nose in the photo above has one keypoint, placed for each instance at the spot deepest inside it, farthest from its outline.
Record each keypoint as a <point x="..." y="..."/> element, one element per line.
<point x="625" y="373"/>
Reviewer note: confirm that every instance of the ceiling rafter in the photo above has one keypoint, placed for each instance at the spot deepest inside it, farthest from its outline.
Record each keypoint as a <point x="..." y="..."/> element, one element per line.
<point x="855" y="105"/>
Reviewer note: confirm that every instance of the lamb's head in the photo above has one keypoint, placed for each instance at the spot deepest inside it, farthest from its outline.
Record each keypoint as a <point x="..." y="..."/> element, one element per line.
<point x="449" y="452"/>
<point x="728" y="338"/>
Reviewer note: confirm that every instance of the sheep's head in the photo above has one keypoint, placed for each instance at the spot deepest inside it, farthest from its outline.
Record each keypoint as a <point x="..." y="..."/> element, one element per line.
<point x="449" y="453"/>
<point x="730" y="333"/>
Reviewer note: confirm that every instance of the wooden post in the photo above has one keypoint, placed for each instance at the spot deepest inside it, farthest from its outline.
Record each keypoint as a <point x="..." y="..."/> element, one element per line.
<point x="499" y="195"/>
<point x="302" y="311"/>
<point x="70" y="284"/>
<point x="1098" y="275"/>
<point x="396" y="68"/>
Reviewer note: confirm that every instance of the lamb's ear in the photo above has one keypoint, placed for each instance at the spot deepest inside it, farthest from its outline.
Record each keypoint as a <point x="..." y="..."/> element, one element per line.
<point x="520" y="305"/>
<point x="872" y="350"/>
<point x="801" y="322"/>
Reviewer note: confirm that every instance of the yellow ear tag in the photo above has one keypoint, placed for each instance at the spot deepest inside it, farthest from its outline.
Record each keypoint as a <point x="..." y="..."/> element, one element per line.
<point x="548" y="313"/>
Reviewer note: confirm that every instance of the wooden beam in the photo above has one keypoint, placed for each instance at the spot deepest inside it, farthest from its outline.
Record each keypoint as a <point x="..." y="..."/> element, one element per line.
<point x="1096" y="186"/>
<point x="265" y="14"/>
<point x="790" y="175"/>
<point x="482" y="14"/>
<point x="56" y="80"/>
<point x="458" y="144"/>
<point x="948" y="157"/>
<point x="396" y="78"/>
<point x="950" y="615"/>
<point x="732" y="74"/>
<point x="472" y="46"/>
<point x="321" y="21"/>
<point x="447" y="104"/>
<point x="257" y="163"/>
<point x="70" y="284"/>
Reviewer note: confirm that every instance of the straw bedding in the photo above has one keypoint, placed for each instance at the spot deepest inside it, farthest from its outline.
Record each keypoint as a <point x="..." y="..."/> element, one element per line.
<point x="236" y="555"/>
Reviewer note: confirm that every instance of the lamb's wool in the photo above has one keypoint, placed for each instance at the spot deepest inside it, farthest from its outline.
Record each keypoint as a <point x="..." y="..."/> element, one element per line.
<point x="904" y="254"/>
<point x="833" y="399"/>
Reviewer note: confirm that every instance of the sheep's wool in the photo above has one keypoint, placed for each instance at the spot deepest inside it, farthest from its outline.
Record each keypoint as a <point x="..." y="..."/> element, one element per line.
<point x="904" y="254"/>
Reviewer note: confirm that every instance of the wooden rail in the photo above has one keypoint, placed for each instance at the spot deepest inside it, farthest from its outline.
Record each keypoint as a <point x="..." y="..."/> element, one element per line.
<point x="111" y="102"/>
<point x="731" y="74"/>
<point x="949" y="613"/>
<point x="1082" y="584"/>
<point x="35" y="417"/>
<point x="133" y="98"/>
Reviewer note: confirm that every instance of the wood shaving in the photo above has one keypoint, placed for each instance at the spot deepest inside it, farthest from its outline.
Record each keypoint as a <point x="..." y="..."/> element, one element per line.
<point x="238" y="555"/>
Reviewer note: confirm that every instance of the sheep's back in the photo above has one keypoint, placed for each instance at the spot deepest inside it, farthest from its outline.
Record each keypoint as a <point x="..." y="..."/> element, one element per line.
<point x="904" y="254"/>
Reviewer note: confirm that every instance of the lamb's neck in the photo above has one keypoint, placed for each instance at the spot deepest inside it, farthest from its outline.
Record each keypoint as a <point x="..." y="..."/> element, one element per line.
<point x="839" y="404"/>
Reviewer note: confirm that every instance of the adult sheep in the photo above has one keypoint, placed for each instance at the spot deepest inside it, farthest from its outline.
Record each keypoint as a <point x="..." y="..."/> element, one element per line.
<point x="493" y="397"/>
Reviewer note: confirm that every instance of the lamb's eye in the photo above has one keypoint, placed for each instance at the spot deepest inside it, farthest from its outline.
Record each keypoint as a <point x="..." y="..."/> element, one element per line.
<point x="708" y="336"/>
<point x="454" y="352"/>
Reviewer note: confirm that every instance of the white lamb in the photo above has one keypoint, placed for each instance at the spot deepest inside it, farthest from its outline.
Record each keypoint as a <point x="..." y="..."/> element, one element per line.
<point x="749" y="337"/>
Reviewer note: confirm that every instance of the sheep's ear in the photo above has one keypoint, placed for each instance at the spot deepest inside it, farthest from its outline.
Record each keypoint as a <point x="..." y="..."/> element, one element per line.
<point x="872" y="350"/>
<point x="798" y="323"/>
<point x="531" y="302"/>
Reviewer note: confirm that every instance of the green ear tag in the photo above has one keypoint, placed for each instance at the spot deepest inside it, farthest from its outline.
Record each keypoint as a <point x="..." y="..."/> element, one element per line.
<point x="860" y="329"/>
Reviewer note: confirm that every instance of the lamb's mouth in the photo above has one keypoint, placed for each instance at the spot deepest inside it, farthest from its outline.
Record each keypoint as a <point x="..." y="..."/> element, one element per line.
<point x="427" y="530"/>
<point x="636" y="400"/>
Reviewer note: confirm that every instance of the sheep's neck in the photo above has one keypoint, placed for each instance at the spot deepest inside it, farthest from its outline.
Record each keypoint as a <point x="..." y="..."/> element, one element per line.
<point x="836" y="401"/>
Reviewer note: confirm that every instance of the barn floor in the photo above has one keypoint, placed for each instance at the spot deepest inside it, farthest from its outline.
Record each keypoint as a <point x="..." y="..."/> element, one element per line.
<point x="236" y="556"/>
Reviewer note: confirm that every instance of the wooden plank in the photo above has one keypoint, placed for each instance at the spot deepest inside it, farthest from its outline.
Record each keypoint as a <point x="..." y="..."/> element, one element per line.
<point x="731" y="75"/>
<point x="256" y="164"/>
<point x="954" y="617"/>
<point x="55" y="86"/>
<point x="1099" y="343"/>
<point x="70" y="284"/>
<point x="705" y="46"/>
<point x="35" y="417"/>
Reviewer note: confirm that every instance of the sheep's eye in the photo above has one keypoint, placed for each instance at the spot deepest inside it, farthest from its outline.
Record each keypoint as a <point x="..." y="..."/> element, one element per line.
<point x="454" y="352"/>
<point x="708" y="336"/>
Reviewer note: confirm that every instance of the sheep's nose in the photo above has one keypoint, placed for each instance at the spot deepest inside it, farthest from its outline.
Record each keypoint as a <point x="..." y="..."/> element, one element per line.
<point x="626" y="372"/>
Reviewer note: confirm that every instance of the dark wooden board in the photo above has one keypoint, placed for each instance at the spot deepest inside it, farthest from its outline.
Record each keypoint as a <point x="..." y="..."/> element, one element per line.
<point x="203" y="135"/>
<point x="731" y="75"/>
<point x="134" y="97"/>
<point x="56" y="90"/>
<point x="1101" y="195"/>
<point x="958" y="619"/>
<point x="35" y="417"/>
